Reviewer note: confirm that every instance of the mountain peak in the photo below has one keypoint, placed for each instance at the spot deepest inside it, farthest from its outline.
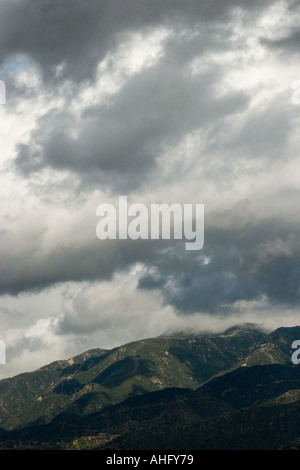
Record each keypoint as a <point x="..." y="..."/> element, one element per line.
<point x="245" y="326"/>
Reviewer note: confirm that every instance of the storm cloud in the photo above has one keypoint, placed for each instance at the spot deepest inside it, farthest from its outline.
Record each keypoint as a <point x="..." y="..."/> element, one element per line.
<point x="165" y="102"/>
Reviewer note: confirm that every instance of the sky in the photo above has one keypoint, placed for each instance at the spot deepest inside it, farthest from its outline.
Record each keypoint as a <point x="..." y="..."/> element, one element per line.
<point x="164" y="101"/>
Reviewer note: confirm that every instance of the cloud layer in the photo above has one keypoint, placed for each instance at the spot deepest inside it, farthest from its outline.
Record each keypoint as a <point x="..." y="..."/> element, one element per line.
<point x="163" y="101"/>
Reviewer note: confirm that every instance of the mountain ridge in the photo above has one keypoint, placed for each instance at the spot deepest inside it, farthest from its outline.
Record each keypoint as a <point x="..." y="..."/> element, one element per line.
<point x="96" y="379"/>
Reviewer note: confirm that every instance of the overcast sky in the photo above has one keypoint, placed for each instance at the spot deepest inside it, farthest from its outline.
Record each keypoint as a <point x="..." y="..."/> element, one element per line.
<point x="165" y="101"/>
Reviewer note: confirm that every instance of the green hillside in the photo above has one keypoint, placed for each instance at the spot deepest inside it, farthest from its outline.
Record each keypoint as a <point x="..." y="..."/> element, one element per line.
<point x="168" y="385"/>
<point x="95" y="379"/>
<point x="183" y="419"/>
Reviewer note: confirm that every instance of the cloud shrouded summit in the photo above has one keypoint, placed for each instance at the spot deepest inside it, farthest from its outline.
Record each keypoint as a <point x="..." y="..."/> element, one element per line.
<point x="165" y="102"/>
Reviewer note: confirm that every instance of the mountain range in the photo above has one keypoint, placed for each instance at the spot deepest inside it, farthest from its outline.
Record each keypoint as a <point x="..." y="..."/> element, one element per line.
<point x="233" y="390"/>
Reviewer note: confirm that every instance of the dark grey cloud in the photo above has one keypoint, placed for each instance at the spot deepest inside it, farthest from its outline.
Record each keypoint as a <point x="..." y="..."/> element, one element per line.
<point x="257" y="138"/>
<point x="155" y="108"/>
<point x="78" y="33"/>
<point x="246" y="262"/>
<point x="290" y="42"/>
<point x="97" y="260"/>
<point x="119" y="144"/>
<point x="151" y="280"/>
<point x="24" y="345"/>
